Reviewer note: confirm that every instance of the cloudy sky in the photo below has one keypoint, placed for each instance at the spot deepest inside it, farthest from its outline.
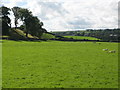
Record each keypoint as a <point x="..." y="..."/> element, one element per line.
<point x="64" y="15"/>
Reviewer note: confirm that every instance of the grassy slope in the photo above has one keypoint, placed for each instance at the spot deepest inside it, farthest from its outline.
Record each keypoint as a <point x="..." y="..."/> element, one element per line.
<point x="20" y="32"/>
<point x="59" y="64"/>
<point x="44" y="36"/>
<point x="82" y="37"/>
<point x="47" y="36"/>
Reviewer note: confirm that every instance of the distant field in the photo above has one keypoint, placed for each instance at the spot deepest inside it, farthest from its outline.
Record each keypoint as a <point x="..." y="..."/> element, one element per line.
<point x="59" y="64"/>
<point x="82" y="37"/>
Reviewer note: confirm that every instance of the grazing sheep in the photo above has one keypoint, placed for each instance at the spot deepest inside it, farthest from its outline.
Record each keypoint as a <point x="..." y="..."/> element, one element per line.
<point x="113" y="51"/>
<point x="105" y="49"/>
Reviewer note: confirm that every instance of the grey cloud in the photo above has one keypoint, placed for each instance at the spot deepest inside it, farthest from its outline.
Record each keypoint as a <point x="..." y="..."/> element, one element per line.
<point x="51" y="7"/>
<point x="80" y="23"/>
<point x="119" y="14"/>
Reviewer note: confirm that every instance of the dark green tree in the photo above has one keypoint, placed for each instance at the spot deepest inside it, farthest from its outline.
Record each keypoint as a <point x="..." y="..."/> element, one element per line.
<point x="35" y="26"/>
<point x="16" y="14"/>
<point x="25" y="16"/>
<point x="32" y="24"/>
<point x="6" y="22"/>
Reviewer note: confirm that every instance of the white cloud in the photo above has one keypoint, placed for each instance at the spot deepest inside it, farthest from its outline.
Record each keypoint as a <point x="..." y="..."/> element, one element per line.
<point x="72" y="14"/>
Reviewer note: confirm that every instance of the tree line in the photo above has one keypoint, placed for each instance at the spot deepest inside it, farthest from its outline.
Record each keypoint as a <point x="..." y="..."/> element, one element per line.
<point x="102" y="34"/>
<point x="105" y="34"/>
<point x="31" y="24"/>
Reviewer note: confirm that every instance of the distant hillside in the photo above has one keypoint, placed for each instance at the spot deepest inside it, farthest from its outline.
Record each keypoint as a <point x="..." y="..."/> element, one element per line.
<point x="108" y="35"/>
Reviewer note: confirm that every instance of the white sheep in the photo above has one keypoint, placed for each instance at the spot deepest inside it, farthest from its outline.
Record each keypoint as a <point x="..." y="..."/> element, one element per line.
<point x="113" y="51"/>
<point x="105" y="49"/>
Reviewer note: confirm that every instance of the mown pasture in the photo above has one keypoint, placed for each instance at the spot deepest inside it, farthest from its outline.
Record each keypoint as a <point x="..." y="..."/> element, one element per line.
<point x="82" y="37"/>
<point x="57" y="64"/>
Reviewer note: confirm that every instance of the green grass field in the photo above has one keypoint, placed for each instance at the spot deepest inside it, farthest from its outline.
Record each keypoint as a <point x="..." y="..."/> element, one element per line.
<point x="59" y="64"/>
<point x="82" y="37"/>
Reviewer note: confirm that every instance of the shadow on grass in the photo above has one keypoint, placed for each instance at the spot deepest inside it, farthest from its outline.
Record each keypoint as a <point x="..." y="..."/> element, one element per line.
<point x="68" y="40"/>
